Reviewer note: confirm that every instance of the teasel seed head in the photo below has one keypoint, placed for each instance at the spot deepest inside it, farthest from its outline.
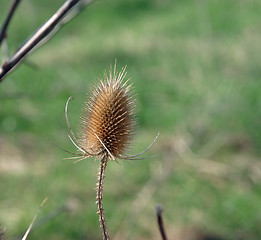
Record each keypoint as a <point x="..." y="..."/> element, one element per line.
<point x="107" y="121"/>
<point x="107" y="125"/>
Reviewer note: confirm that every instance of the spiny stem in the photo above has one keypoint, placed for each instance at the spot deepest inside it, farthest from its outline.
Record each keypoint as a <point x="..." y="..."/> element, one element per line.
<point x="101" y="176"/>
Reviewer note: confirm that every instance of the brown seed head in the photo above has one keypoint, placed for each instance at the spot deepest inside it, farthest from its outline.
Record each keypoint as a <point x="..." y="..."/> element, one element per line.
<point x="107" y="121"/>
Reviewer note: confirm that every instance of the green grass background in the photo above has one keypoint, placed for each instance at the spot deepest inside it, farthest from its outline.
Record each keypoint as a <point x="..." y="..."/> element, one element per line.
<point x="196" y="69"/>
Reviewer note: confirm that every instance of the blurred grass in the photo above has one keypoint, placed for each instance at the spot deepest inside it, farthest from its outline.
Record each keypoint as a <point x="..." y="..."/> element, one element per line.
<point x="195" y="66"/>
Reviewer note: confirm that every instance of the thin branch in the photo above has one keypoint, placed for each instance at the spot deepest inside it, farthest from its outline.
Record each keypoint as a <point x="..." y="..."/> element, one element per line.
<point x="3" y="32"/>
<point x="159" y="210"/>
<point x="44" y="31"/>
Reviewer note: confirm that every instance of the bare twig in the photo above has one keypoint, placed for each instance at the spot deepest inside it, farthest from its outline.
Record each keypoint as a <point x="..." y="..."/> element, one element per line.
<point x="36" y="38"/>
<point x="7" y="21"/>
<point x="159" y="210"/>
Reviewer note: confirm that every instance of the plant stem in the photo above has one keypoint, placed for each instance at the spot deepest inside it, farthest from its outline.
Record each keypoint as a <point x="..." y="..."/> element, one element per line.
<point x="101" y="176"/>
<point x="159" y="210"/>
<point x="36" y="38"/>
<point x="8" y="19"/>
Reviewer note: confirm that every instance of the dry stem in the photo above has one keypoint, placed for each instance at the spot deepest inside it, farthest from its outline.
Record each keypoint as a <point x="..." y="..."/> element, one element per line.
<point x="40" y="36"/>
<point x="101" y="176"/>
<point x="3" y="32"/>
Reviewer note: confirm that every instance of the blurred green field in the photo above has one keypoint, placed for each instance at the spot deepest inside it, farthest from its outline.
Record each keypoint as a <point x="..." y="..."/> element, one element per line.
<point x="196" y="69"/>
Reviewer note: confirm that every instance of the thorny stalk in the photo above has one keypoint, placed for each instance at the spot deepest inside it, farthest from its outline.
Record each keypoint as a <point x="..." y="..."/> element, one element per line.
<point x="101" y="176"/>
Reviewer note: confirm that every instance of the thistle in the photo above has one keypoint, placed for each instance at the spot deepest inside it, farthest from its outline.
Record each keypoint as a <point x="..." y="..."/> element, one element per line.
<point x="107" y="125"/>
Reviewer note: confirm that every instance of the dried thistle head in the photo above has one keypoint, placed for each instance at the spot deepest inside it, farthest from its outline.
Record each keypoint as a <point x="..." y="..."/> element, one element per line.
<point x="107" y="122"/>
